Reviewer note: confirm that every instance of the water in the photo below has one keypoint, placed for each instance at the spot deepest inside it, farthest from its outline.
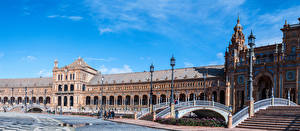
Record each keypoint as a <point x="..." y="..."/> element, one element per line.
<point x="31" y="121"/>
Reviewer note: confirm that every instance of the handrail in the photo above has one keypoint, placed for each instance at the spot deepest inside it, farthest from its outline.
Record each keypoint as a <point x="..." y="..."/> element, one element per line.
<point x="262" y="104"/>
<point x="194" y="103"/>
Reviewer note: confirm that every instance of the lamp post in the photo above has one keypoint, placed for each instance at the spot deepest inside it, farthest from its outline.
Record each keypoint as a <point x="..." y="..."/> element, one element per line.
<point x="101" y="96"/>
<point x="151" y="88"/>
<point x="204" y="77"/>
<point x="25" y="99"/>
<point x="45" y="102"/>
<point x="251" y="43"/>
<point x="12" y="96"/>
<point x="172" y="106"/>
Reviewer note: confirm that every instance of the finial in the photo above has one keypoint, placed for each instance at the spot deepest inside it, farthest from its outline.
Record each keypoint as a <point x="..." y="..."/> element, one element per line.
<point x="238" y="19"/>
<point x="285" y="23"/>
<point x="55" y="63"/>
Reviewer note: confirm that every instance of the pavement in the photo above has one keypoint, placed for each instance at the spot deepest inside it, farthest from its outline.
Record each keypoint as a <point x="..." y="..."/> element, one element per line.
<point x="174" y="127"/>
<point x="11" y="121"/>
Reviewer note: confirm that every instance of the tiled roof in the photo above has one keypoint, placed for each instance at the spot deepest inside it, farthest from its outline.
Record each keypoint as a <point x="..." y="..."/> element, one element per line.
<point x="26" y="82"/>
<point x="183" y="73"/>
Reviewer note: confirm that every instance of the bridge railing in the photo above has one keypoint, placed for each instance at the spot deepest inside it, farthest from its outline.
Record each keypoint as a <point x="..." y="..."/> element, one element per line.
<point x="194" y="103"/>
<point x="262" y="104"/>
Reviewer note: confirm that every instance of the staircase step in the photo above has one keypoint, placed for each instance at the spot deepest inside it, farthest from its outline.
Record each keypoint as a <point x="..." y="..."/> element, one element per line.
<point x="270" y="125"/>
<point x="265" y="128"/>
<point x="273" y="120"/>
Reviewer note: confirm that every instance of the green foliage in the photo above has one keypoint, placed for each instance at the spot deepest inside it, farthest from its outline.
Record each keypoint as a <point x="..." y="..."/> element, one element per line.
<point x="210" y="122"/>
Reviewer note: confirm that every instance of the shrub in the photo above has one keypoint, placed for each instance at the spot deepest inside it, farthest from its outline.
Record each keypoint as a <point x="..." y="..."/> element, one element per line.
<point x="211" y="122"/>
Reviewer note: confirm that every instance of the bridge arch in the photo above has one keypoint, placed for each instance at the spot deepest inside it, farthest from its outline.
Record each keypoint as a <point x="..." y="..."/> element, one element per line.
<point x="183" y="111"/>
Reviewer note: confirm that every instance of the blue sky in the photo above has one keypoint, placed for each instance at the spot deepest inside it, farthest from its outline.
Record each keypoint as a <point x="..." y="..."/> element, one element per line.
<point x="117" y="36"/>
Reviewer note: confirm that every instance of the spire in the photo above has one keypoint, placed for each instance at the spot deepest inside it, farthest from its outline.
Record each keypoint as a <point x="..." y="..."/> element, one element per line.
<point x="238" y="19"/>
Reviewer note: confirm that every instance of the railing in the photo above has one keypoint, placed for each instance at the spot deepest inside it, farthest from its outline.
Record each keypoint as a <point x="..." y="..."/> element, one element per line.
<point x="145" y="111"/>
<point x="194" y="103"/>
<point x="262" y="104"/>
<point x="10" y="107"/>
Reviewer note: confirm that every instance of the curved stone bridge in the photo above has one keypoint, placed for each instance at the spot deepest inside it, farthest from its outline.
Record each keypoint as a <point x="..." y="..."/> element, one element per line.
<point x="23" y="108"/>
<point x="183" y="108"/>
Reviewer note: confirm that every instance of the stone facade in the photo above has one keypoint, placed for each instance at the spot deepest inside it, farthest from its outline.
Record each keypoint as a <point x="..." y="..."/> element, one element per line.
<point x="276" y="67"/>
<point x="80" y="88"/>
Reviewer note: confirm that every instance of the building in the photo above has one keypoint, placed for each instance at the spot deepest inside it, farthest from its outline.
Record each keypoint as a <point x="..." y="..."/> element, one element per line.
<point x="80" y="88"/>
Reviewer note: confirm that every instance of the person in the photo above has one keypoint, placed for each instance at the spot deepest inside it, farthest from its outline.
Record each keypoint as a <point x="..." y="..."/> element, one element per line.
<point x="113" y="114"/>
<point x="105" y="115"/>
<point x="109" y="114"/>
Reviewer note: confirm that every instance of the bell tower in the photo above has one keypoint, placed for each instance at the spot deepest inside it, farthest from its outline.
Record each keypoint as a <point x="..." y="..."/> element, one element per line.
<point x="237" y="44"/>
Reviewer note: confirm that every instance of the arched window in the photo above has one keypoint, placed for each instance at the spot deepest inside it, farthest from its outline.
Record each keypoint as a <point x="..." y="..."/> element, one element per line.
<point x="103" y="100"/>
<point x="65" y="101"/>
<point x="145" y="100"/>
<point x="71" y="100"/>
<point x="95" y="100"/>
<point x="65" y="87"/>
<point x="72" y="87"/>
<point x="163" y="98"/>
<point x="83" y="87"/>
<point x="88" y="100"/>
<point x="33" y="100"/>
<point x="48" y="100"/>
<point x="40" y="100"/>
<point x="59" y="88"/>
<point x="136" y="100"/>
<point x="127" y="100"/>
<point x="119" y="101"/>
<point x="111" y="100"/>
<point x="59" y="101"/>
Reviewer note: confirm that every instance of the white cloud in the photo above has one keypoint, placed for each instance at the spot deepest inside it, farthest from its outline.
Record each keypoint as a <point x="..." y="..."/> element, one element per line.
<point x="104" y="30"/>
<point x="124" y="69"/>
<point x="29" y="58"/>
<point x="159" y="16"/>
<point x="220" y="55"/>
<point x="188" y="64"/>
<point x="101" y="59"/>
<point x="73" y="18"/>
<point x="44" y="73"/>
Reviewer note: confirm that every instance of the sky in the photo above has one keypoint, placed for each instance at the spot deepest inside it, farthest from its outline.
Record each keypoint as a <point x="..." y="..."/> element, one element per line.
<point x="120" y="36"/>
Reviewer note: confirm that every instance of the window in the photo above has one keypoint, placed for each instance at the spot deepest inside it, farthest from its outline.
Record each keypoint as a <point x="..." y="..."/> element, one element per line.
<point x="59" y="88"/>
<point x="66" y="88"/>
<point x="71" y="77"/>
<point x="293" y="50"/>
<point x="66" y="77"/>
<point x="74" y="76"/>
<point x="72" y="87"/>
<point x="83" y="87"/>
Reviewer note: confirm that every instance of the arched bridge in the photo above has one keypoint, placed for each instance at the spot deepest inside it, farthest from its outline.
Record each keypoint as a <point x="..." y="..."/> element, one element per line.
<point x="23" y="107"/>
<point x="183" y="108"/>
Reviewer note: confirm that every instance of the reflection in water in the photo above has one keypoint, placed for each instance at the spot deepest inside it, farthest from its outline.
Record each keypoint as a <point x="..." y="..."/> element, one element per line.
<point x="112" y="126"/>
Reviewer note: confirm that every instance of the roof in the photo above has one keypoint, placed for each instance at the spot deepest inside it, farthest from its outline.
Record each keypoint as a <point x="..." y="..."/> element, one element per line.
<point x="183" y="73"/>
<point x="26" y="82"/>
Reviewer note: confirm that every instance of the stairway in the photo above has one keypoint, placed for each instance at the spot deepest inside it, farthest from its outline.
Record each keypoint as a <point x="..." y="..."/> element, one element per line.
<point x="274" y="118"/>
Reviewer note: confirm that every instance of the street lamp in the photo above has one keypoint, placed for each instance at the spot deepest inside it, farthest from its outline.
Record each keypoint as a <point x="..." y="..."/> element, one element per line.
<point x="12" y="95"/>
<point x="204" y="77"/>
<point x="25" y="99"/>
<point x="251" y="43"/>
<point x="101" y="96"/>
<point x="45" y="102"/>
<point x="172" y="111"/>
<point x="151" y="88"/>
